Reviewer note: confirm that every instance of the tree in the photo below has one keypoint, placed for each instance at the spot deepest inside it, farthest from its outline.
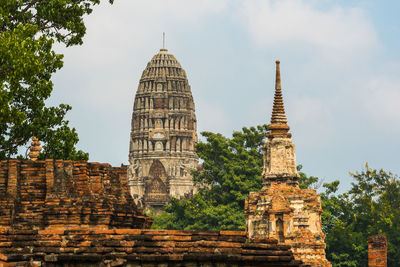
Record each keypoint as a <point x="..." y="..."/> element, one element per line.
<point x="59" y="19"/>
<point x="370" y="207"/>
<point x="28" y="29"/>
<point x="231" y="169"/>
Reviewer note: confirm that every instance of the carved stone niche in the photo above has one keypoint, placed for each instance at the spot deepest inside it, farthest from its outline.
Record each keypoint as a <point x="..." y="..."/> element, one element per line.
<point x="161" y="79"/>
<point x="159" y="135"/>
<point x="159" y="146"/>
<point x="158" y="103"/>
<point x="159" y="87"/>
<point x="156" y="188"/>
<point x="157" y="114"/>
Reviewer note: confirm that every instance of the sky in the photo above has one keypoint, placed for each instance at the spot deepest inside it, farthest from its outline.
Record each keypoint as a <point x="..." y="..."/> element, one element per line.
<point x="340" y="65"/>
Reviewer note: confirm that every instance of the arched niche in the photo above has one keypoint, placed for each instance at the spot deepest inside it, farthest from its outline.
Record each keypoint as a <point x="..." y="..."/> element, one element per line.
<point x="157" y="170"/>
<point x="156" y="188"/>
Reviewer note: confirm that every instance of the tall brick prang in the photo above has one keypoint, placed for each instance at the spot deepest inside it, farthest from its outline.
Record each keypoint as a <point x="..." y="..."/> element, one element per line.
<point x="163" y="134"/>
<point x="377" y="251"/>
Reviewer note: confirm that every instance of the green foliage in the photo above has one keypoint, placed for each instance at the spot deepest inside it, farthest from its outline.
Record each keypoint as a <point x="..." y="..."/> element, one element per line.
<point x="59" y="19"/>
<point x="199" y="213"/>
<point x="231" y="169"/>
<point x="344" y="246"/>
<point x="307" y="181"/>
<point x="370" y="207"/>
<point x="27" y="62"/>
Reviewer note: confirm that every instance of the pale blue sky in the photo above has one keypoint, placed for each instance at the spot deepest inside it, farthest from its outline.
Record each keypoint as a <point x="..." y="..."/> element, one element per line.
<point x="340" y="65"/>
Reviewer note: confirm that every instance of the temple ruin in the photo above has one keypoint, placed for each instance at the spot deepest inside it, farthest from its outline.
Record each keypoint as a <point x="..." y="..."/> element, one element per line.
<point x="163" y="134"/>
<point x="282" y="210"/>
<point x="75" y="213"/>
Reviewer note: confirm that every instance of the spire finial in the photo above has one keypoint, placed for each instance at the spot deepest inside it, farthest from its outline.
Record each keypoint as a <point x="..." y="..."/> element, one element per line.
<point x="163" y="50"/>
<point x="35" y="149"/>
<point x="278" y="76"/>
<point x="278" y="124"/>
<point x="163" y="40"/>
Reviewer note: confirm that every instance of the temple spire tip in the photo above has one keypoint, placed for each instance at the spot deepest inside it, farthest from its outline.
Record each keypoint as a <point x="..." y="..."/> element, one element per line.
<point x="278" y="76"/>
<point x="278" y="124"/>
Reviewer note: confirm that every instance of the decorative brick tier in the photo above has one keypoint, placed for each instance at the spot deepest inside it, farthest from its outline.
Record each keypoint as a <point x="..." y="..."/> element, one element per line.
<point x="136" y="247"/>
<point x="37" y="195"/>
<point x="290" y="215"/>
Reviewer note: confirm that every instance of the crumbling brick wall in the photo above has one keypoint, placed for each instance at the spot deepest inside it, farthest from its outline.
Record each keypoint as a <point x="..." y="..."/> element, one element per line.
<point x="377" y="251"/>
<point x="74" y="213"/>
<point x="53" y="193"/>
<point x="137" y="247"/>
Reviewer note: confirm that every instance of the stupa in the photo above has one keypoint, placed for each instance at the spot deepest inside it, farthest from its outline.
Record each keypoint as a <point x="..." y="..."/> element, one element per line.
<point x="282" y="210"/>
<point x="163" y="136"/>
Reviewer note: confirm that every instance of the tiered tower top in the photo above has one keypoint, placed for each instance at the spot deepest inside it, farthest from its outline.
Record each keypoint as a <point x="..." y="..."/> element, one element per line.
<point x="163" y="67"/>
<point x="163" y="115"/>
<point x="278" y="124"/>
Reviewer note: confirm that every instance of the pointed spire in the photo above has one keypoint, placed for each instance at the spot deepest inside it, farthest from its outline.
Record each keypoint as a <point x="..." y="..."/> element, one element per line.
<point x="163" y="40"/>
<point x="278" y="124"/>
<point x="278" y="85"/>
<point x="163" y="49"/>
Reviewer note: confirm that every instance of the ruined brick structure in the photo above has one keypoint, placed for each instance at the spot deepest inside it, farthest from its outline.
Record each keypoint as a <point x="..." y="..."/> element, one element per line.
<point x="46" y="194"/>
<point x="136" y="247"/>
<point x="282" y="210"/>
<point x="163" y="134"/>
<point x="377" y="251"/>
<point x="74" y="213"/>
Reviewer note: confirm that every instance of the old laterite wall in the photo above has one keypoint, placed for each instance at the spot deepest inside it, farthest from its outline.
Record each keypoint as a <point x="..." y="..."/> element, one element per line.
<point x="55" y="193"/>
<point x="73" y="213"/>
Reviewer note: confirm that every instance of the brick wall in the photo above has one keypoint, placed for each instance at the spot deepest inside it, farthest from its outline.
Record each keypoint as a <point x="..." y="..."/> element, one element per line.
<point x="377" y="251"/>
<point x="137" y="247"/>
<point x="53" y="193"/>
<point x="73" y="213"/>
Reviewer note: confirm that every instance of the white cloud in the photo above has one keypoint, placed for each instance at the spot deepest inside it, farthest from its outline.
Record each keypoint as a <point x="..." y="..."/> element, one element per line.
<point x="311" y="119"/>
<point x="291" y="22"/>
<point x="116" y="47"/>
<point x="382" y="102"/>
<point x="125" y="25"/>
<point x="211" y="116"/>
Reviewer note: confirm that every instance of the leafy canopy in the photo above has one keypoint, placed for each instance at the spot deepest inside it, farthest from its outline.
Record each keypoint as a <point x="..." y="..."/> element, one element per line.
<point x="59" y="19"/>
<point x="231" y="169"/>
<point x="27" y="62"/>
<point x="370" y="207"/>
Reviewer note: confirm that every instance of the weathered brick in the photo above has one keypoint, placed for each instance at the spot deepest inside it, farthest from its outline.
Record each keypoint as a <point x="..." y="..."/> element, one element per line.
<point x="5" y="244"/>
<point x="128" y="231"/>
<point x="234" y="233"/>
<point x="82" y="225"/>
<point x="172" y="237"/>
<point x="57" y="231"/>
